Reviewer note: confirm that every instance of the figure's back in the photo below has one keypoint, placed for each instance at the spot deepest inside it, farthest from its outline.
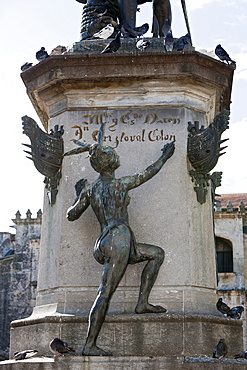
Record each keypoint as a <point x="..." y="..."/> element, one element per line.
<point x="109" y="200"/>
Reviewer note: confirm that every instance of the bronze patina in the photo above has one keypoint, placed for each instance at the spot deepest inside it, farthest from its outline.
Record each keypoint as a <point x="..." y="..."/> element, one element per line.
<point x="122" y="13"/>
<point x="204" y="149"/>
<point x="116" y="246"/>
<point x="46" y="153"/>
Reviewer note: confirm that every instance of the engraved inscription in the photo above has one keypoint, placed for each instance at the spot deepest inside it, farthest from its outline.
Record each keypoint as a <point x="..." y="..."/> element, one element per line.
<point x="134" y="126"/>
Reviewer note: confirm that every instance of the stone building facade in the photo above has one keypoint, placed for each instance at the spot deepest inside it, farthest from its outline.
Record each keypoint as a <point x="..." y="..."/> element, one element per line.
<point x="231" y="242"/>
<point x="19" y="255"/>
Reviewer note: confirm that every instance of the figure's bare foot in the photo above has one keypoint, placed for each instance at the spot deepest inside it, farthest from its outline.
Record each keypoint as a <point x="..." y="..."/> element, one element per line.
<point x="149" y="308"/>
<point x="94" y="351"/>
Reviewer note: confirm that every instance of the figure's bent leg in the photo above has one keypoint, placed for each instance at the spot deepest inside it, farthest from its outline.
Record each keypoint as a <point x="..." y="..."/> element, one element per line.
<point x="155" y="257"/>
<point x="113" y="271"/>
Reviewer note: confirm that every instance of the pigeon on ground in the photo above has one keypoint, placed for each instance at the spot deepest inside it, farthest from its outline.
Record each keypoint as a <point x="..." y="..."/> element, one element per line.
<point x="25" y="354"/>
<point x="142" y="44"/>
<point x="169" y="41"/>
<point x="101" y="10"/>
<point x="41" y="54"/>
<point x="166" y="28"/>
<point x="58" y="347"/>
<point x="105" y="32"/>
<point x="26" y="66"/>
<point x="58" y="50"/>
<point x="241" y="355"/>
<point x="127" y="31"/>
<point x="183" y="41"/>
<point x="114" y="45"/>
<point x="234" y="312"/>
<point x="222" y="54"/>
<point x="220" y="350"/>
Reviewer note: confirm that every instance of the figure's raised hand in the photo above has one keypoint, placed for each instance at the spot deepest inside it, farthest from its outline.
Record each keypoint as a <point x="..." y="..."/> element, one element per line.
<point x="168" y="149"/>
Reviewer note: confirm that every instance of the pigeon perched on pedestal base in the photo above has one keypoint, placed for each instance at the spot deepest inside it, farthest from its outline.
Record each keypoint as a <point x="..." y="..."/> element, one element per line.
<point x="41" y="54"/>
<point x="59" y="347"/>
<point x="223" y="55"/>
<point x="241" y="355"/>
<point x="234" y="312"/>
<point x="25" y="354"/>
<point x="220" y="350"/>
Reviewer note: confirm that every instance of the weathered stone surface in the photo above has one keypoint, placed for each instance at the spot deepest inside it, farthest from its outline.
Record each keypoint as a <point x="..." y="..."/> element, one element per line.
<point x="128" y="45"/>
<point x="124" y="363"/>
<point x="134" y="335"/>
<point x="78" y="91"/>
<point x="60" y="74"/>
<point x="18" y="274"/>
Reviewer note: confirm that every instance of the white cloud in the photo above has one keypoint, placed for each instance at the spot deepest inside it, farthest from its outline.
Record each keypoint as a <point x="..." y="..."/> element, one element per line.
<point x="198" y="4"/>
<point x="241" y="63"/>
<point x="195" y="4"/>
<point x="234" y="178"/>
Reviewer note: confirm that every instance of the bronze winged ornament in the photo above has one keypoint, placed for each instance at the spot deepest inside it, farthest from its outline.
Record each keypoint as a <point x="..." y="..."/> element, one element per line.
<point x="46" y="153"/>
<point x="204" y="149"/>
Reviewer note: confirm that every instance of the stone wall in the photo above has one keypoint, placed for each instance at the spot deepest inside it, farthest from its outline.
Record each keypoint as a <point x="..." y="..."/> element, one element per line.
<point x="230" y="224"/>
<point x="19" y="256"/>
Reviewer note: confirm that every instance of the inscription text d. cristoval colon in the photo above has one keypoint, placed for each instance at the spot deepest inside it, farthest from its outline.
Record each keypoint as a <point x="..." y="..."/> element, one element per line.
<point x="149" y="119"/>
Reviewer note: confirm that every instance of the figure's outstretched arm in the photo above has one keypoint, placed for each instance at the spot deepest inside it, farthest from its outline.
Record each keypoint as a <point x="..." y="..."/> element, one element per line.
<point x="132" y="182"/>
<point x="75" y="211"/>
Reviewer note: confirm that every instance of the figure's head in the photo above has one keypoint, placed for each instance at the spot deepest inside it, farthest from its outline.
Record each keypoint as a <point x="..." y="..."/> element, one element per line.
<point x="103" y="158"/>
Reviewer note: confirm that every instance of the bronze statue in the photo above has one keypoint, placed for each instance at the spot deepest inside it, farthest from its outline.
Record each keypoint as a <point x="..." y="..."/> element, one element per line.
<point x="46" y="153"/>
<point x="116" y="246"/>
<point x="122" y="14"/>
<point x="204" y="150"/>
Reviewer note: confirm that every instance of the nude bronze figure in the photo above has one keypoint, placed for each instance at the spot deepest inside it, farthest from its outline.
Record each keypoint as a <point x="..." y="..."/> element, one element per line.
<point x="116" y="246"/>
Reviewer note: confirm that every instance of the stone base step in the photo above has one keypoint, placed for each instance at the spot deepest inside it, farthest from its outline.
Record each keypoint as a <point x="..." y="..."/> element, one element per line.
<point x="123" y="363"/>
<point x="133" y="335"/>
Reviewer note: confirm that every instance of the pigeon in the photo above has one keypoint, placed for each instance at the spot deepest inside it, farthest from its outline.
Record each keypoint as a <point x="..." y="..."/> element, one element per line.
<point x="220" y="350"/>
<point x="26" y="66"/>
<point x="58" y="347"/>
<point x="222" y="307"/>
<point x="241" y="355"/>
<point x="169" y="41"/>
<point x="114" y="45"/>
<point x="127" y="31"/>
<point x="222" y="54"/>
<point x="139" y="31"/>
<point x="234" y="312"/>
<point x="166" y="27"/>
<point x="58" y="50"/>
<point x="183" y="41"/>
<point x="101" y="10"/>
<point x="142" y="44"/>
<point x="41" y="54"/>
<point x="25" y="354"/>
<point x="105" y="32"/>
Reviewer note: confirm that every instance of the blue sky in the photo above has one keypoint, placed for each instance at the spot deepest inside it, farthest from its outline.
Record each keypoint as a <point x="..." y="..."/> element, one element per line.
<point x="27" y="25"/>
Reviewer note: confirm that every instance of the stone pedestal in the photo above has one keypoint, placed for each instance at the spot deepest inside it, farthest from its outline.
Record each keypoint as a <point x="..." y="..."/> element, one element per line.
<point x="146" y="101"/>
<point x="136" y="335"/>
<point x="124" y="363"/>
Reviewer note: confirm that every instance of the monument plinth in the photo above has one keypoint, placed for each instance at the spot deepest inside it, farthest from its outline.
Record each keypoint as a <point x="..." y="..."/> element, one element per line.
<point x="145" y="100"/>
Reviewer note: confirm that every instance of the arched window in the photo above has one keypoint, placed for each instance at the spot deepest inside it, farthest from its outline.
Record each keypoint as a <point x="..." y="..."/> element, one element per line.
<point x="224" y="255"/>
